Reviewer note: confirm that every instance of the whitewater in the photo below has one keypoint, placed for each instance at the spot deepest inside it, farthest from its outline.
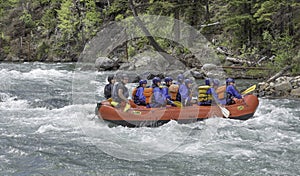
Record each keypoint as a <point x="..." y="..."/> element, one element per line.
<point x="45" y="130"/>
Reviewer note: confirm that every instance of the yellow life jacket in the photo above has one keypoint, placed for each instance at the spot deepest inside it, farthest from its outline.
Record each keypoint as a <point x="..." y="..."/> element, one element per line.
<point x="203" y="96"/>
<point x="173" y="90"/>
<point x="221" y="91"/>
<point x="147" y="93"/>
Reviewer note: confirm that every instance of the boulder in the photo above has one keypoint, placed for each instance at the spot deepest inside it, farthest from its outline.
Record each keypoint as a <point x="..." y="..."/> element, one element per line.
<point x="296" y="92"/>
<point x="104" y="63"/>
<point x="283" y="86"/>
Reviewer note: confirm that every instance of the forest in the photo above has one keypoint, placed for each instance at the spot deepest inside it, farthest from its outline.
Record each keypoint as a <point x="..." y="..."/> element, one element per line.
<point x="57" y="30"/>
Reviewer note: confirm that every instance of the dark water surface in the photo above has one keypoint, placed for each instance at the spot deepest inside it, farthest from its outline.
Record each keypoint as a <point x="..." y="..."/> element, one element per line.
<point x="46" y="130"/>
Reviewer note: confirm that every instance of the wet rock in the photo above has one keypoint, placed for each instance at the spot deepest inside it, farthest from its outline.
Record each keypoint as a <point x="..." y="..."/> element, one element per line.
<point x="104" y="63"/>
<point x="284" y="86"/>
<point x="296" y="92"/>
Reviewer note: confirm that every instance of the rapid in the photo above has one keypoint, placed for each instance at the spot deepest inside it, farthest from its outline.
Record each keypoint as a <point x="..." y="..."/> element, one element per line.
<point x="45" y="130"/>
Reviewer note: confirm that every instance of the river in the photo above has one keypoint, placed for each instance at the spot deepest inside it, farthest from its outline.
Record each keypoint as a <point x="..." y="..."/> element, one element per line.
<point x="44" y="130"/>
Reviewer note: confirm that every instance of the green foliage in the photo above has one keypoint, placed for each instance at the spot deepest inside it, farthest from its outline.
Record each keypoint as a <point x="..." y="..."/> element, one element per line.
<point x="67" y="19"/>
<point x="295" y="63"/>
<point x="27" y="19"/>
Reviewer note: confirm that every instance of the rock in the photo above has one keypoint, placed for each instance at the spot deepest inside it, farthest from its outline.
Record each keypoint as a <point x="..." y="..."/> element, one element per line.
<point x="283" y="86"/>
<point x="296" y="92"/>
<point x="209" y="67"/>
<point x="197" y="75"/>
<point x="104" y="63"/>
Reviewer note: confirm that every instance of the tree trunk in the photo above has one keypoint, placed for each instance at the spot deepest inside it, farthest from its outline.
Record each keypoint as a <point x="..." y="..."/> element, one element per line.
<point x="277" y="75"/>
<point x="176" y="24"/>
<point x="156" y="46"/>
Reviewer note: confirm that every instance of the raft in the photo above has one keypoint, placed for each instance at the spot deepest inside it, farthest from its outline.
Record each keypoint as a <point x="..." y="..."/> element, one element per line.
<point x="140" y="116"/>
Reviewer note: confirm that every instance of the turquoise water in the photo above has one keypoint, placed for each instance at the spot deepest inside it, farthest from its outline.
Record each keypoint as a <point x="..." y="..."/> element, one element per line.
<point x="48" y="127"/>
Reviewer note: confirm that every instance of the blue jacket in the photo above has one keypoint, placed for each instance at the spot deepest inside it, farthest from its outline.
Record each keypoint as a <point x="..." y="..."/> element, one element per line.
<point x="232" y="93"/>
<point x="165" y="92"/>
<point x="158" y="99"/>
<point x="185" y="94"/>
<point x="139" y="97"/>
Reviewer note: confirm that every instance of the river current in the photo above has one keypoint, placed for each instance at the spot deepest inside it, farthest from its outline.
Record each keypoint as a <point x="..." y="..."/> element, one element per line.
<point x="44" y="130"/>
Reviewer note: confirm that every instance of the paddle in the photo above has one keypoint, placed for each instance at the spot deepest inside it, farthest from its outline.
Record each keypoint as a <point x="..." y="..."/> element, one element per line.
<point x="176" y="103"/>
<point x="225" y="111"/>
<point x="250" y="89"/>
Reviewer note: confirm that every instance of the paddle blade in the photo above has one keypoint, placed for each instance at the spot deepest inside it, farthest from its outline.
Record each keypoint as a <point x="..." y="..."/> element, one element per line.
<point x="225" y="111"/>
<point x="177" y="103"/>
<point x="127" y="107"/>
<point x="250" y="89"/>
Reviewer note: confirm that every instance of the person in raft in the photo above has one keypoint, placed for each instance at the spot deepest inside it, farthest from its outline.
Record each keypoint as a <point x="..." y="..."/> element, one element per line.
<point x="232" y="93"/>
<point x="139" y="97"/>
<point x="158" y="99"/>
<point x="180" y="79"/>
<point x="120" y="93"/>
<point x="186" y="92"/>
<point x="214" y="86"/>
<point x="165" y="88"/>
<point x="108" y="87"/>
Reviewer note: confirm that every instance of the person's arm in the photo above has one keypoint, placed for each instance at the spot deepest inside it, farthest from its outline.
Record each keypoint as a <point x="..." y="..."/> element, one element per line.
<point x="236" y="93"/>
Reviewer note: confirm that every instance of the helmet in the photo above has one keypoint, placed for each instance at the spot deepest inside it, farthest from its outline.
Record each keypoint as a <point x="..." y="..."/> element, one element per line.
<point x="180" y="78"/>
<point x="124" y="75"/>
<point x="229" y="80"/>
<point x="216" y="82"/>
<point x="207" y="81"/>
<point x="188" y="81"/>
<point x="168" y="79"/>
<point x="156" y="80"/>
<point x="109" y="78"/>
<point x="143" y="81"/>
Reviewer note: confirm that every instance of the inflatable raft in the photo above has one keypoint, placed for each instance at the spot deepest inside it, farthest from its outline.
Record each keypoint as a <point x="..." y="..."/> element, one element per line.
<point x="140" y="116"/>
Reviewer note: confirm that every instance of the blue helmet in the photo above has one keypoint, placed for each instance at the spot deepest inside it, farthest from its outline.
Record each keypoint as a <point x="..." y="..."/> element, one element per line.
<point x="180" y="78"/>
<point x="156" y="80"/>
<point x="188" y="81"/>
<point x="207" y="81"/>
<point x="229" y="80"/>
<point x="142" y="81"/>
<point x="216" y="82"/>
<point x="168" y="79"/>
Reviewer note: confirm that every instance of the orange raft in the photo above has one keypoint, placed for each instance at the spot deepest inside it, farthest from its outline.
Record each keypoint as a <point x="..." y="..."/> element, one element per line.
<point x="150" y="117"/>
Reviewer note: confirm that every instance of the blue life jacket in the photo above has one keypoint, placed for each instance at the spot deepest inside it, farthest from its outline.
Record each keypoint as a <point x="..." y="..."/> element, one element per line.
<point x="139" y="97"/>
<point x="158" y="99"/>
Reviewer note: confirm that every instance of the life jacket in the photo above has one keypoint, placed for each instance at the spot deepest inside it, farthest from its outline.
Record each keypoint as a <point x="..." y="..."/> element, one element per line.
<point x="203" y="96"/>
<point x="221" y="91"/>
<point x="173" y="91"/>
<point x="116" y="87"/>
<point x="147" y="93"/>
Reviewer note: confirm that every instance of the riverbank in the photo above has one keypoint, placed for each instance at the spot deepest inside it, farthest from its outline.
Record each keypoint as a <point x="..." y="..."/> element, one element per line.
<point x="282" y="87"/>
